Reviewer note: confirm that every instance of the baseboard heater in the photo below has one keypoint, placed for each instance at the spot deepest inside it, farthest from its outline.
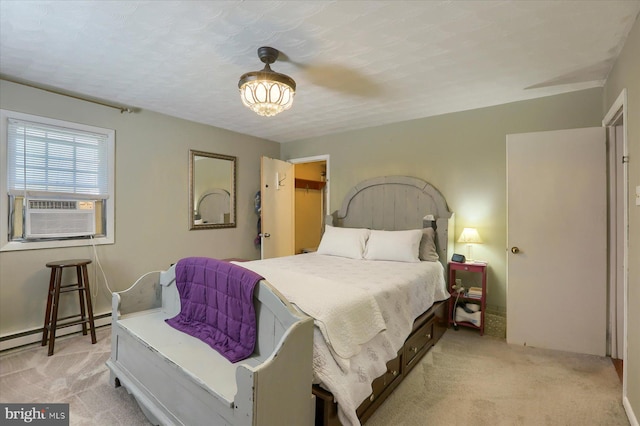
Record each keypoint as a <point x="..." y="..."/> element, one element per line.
<point x="16" y="340"/>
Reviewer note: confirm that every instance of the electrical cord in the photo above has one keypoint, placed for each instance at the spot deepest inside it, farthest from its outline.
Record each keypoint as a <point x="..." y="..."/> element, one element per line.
<point x="95" y="270"/>
<point x="455" y="323"/>
<point x="104" y="276"/>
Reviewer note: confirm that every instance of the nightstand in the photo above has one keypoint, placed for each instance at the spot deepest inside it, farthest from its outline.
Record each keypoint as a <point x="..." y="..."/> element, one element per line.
<point x="474" y="267"/>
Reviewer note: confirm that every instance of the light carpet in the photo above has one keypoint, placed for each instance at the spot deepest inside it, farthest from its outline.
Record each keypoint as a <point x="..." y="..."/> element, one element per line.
<point x="464" y="380"/>
<point x="467" y="379"/>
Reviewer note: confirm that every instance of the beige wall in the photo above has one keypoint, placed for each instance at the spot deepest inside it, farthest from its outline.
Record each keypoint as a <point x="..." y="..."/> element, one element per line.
<point x="210" y="174"/>
<point x="462" y="154"/>
<point x="626" y="74"/>
<point x="152" y="158"/>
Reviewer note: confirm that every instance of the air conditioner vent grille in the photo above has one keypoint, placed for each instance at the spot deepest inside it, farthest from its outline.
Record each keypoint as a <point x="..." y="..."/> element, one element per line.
<point x="59" y="218"/>
<point x="52" y="205"/>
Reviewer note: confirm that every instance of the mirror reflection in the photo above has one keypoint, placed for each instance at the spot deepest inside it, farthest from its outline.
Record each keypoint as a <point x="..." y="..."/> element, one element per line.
<point x="212" y="190"/>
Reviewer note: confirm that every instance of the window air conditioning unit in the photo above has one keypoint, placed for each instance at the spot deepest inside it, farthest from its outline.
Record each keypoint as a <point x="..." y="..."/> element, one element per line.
<point x="54" y="218"/>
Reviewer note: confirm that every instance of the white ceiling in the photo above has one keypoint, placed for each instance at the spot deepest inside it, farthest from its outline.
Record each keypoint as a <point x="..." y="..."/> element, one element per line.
<point x="357" y="64"/>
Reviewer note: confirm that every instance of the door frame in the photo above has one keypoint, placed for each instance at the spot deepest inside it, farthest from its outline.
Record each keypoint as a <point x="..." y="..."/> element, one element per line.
<point x="609" y="119"/>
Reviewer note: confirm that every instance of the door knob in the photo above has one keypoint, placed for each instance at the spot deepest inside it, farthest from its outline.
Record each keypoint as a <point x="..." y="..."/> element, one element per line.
<point x="515" y="250"/>
<point x="265" y="235"/>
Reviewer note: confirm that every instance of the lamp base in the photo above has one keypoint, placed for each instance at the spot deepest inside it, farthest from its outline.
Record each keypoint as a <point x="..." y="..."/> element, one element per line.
<point x="472" y="260"/>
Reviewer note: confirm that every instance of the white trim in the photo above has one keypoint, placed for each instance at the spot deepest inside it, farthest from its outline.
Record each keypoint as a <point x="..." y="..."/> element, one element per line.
<point x="612" y="114"/>
<point x="35" y="245"/>
<point x="633" y="420"/>
<point x="620" y="102"/>
<point x="6" y="245"/>
<point x="614" y="279"/>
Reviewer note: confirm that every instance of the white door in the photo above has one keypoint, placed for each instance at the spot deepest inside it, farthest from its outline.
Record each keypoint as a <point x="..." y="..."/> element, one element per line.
<point x="277" y="186"/>
<point x="557" y="247"/>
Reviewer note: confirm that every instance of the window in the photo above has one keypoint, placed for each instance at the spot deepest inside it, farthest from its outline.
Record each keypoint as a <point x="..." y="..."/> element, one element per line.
<point x="58" y="180"/>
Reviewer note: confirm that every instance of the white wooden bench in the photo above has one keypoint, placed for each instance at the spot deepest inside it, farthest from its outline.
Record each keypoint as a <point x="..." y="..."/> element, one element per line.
<point x="178" y="379"/>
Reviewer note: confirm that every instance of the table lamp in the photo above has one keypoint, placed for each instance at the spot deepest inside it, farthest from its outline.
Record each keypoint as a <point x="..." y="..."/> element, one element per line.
<point x="469" y="236"/>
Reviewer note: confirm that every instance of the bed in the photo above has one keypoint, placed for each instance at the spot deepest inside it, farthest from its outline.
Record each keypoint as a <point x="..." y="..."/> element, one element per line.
<point x="395" y="298"/>
<point x="399" y="298"/>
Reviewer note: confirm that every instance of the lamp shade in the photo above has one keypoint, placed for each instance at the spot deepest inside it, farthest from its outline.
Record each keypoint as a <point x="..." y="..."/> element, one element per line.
<point x="470" y="236"/>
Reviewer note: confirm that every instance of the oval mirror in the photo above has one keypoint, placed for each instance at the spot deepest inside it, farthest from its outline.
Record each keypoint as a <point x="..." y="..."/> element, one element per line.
<point x="212" y="190"/>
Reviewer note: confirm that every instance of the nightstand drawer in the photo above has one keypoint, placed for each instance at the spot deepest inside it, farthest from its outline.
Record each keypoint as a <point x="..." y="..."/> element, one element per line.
<point x="471" y="267"/>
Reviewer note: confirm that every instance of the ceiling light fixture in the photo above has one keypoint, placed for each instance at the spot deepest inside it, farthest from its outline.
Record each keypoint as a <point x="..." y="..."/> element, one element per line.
<point x="267" y="92"/>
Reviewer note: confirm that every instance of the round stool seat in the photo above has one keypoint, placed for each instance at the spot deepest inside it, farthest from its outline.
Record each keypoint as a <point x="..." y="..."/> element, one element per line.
<point x="67" y="263"/>
<point x="56" y="287"/>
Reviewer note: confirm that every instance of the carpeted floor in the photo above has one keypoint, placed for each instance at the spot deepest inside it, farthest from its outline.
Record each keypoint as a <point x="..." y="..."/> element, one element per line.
<point x="471" y="380"/>
<point x="74" y="374"/>
<point x="465" y="380"/>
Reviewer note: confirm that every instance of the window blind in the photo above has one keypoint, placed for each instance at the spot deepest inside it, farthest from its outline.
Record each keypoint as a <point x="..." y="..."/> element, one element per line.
<point x="53" y="159"/>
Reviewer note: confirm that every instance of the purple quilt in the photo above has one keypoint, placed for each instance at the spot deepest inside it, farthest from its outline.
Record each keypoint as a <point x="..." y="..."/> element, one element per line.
<point x="217" y="305"/>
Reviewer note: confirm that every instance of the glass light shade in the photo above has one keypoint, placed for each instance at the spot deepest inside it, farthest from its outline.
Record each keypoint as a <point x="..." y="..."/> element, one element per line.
<point x="266" y="92"/>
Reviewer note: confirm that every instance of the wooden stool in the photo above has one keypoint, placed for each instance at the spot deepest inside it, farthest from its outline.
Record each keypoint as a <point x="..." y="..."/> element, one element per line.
<point x="55" y="288"/>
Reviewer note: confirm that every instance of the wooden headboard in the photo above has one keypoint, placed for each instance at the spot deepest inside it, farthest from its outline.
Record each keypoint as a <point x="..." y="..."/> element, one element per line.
<point x="396" y="203"/>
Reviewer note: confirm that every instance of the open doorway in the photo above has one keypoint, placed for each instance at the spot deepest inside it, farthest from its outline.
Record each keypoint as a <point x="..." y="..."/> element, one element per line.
<point x="311" y="201"/>
<point x="294" y="202"/>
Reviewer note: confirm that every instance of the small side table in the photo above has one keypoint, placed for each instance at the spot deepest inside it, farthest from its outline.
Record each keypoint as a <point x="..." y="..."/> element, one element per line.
<point x="53" y="300"/>
<point x="476" y="267"/>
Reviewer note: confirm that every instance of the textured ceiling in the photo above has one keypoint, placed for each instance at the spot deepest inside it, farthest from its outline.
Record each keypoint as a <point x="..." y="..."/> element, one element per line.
<point x="357" y="64"/>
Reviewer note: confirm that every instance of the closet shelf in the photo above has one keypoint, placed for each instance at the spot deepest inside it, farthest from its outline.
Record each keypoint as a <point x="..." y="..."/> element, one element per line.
<point x="309" y="184"/>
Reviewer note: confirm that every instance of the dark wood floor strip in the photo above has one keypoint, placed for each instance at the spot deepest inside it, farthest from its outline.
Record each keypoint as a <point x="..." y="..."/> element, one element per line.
<point x="619" y="365"/>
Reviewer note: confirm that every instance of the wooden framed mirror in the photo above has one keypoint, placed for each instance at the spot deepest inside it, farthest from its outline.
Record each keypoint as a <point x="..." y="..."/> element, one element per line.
<point x="212" y="190"/>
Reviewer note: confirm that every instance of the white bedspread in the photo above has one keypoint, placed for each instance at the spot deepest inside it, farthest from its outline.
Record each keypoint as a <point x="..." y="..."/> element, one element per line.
<point x="346" y="322"/>
<point x="402" y="291"/>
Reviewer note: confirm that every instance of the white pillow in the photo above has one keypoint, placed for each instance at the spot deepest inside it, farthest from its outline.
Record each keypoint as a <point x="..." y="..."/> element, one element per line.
<point x="400" y="246"/>
<point x="344" y="242"/>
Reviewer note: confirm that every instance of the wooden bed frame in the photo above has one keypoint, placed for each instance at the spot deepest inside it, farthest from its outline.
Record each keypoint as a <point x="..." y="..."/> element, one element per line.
<point x="395" y="203"/>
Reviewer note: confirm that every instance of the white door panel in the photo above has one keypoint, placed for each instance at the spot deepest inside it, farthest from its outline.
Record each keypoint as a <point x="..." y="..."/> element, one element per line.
<point x="277" y="188"/>
<point x="556" y="200"/>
